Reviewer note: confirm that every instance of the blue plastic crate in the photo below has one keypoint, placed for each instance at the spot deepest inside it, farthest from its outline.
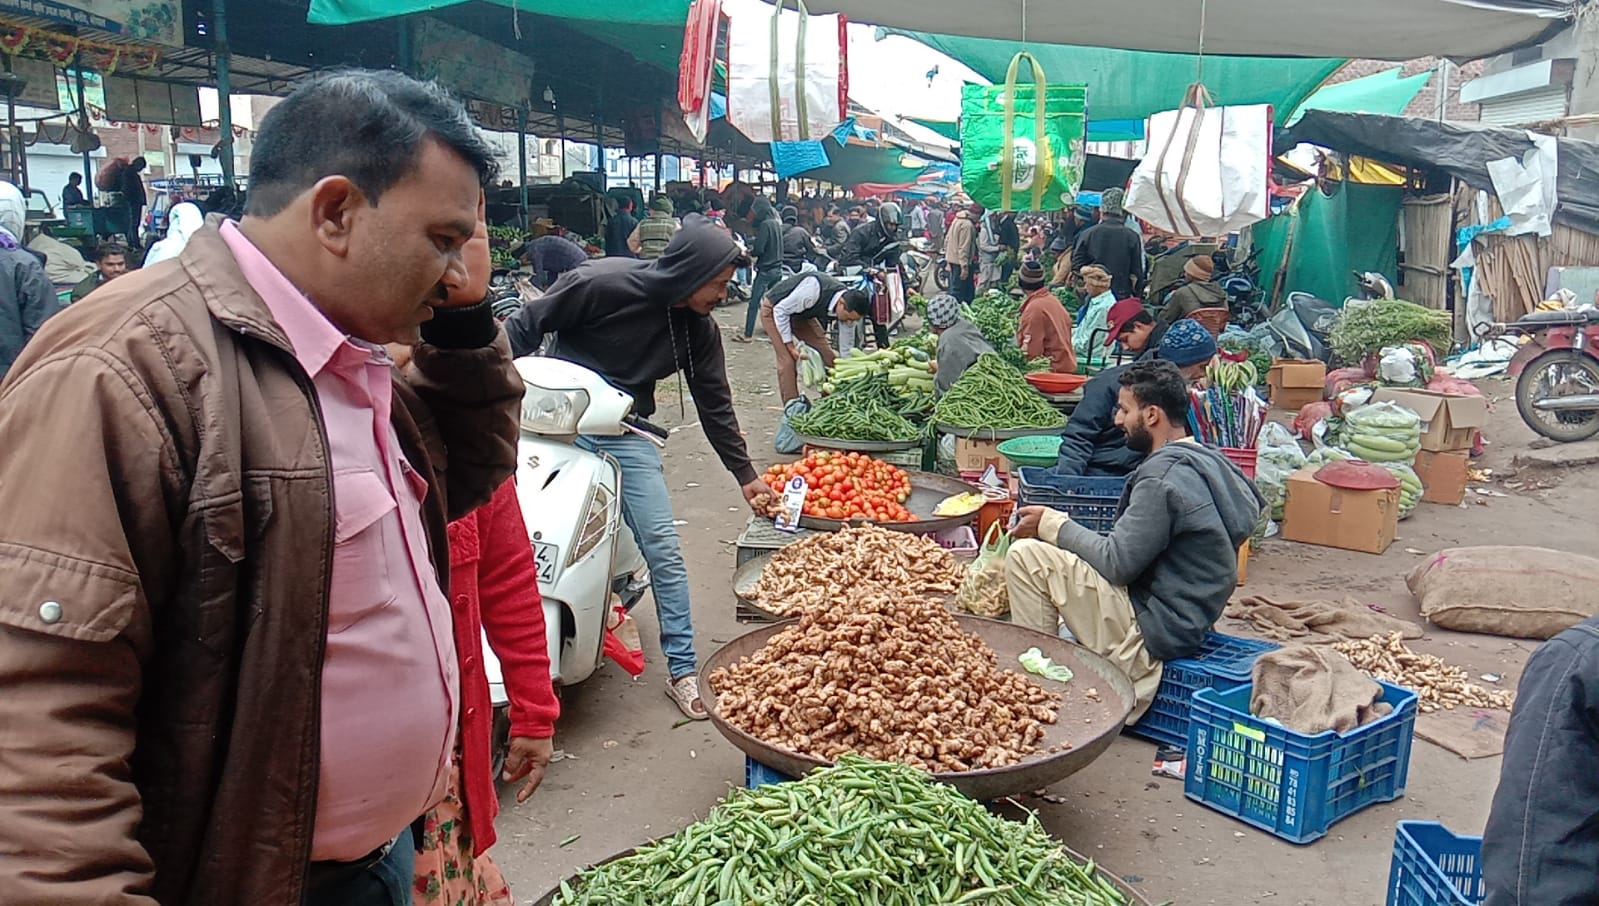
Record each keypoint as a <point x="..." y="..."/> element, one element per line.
<point x="1091" y="502"/>
<point x="757" y="774"/>
<point x="1224" y="662"/>
<point x="1435" y="867"/>
<point x="1287" y="783"/>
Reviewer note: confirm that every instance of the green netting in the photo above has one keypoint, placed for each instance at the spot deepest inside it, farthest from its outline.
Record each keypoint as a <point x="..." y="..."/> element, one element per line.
<point x="1132" y="84"/>
<point x="1384" y="92"/>
<point x="1354" y="229"/>
<point x="853" y="165"/>
<point x="623" y="12"/>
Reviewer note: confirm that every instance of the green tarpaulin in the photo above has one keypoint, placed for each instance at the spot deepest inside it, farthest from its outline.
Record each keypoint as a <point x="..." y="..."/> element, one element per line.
<point x="852" y="165"/>
<point x="1354" y="229"/>
<point x="1384" y="92"/>
<point x="1132" y="84"/>
<point x="621" y="12"/>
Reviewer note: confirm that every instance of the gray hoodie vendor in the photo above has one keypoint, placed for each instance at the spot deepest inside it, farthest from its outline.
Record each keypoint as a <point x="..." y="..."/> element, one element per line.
<point x="1184" y="513"/>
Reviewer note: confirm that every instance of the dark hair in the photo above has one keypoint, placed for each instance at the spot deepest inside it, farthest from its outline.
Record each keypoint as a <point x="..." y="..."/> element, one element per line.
<point x="1143" y="317"/>
<point x="138" y="163"/>
<point x="365" y="125"/>
<point x="107" y="249"/>
<point x="74" y="177"/>
<point x="1158" y="383"/>
<point x="858" y="302"/>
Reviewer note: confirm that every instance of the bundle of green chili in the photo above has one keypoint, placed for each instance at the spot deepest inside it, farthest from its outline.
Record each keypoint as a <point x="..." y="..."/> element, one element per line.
<point x="860" y="832"/>
<point x="992" y="394"/>
<point x="866" y="408"/>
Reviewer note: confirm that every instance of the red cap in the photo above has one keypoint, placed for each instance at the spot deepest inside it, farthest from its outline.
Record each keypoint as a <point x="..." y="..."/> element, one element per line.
<point x="1119" y="315"/>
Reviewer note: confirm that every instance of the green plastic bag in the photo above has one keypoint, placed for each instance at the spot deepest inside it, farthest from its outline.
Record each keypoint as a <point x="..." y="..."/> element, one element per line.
<point x="1017" y="154"/>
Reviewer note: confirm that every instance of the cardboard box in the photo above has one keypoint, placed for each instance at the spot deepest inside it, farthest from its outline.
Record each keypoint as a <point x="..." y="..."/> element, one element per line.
<point x="1321" y="514"/>
<point x="1449" y="421"/>
<point x="976" y="455"/>
<point x="1443" y="476"/>
<point x="1296" y="383"/>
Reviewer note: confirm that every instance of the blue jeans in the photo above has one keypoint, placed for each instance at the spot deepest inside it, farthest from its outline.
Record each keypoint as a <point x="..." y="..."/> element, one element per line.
<point x="764" y="281"/>
<point x="387" y="883"/>
<point x="648" y="510"/>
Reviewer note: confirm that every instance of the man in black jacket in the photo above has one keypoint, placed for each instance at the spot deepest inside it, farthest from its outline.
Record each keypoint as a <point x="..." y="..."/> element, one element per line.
<point x="1541" y="845"/>
<point x="1112" y="246"/>
<point x="797" y="245"/>
<point x="638" y="322"/>
<point x="867" y="247"/>
<point x="766" y="248"/>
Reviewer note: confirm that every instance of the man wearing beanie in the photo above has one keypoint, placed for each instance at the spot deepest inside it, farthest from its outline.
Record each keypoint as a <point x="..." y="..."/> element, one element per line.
<point x="959" y="340"/>
<point x="1195" y="292"/>
<point x="1045" y="328"/>
<point x="1093" y="443"/>
<point x="1149" y="590"/>
<point x="1111" y="245"/>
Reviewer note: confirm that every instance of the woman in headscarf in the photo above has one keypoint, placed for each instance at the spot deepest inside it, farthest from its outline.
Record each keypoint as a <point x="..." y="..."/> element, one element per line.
<point x="183" y="221"/>
<point x="27" y="296"/>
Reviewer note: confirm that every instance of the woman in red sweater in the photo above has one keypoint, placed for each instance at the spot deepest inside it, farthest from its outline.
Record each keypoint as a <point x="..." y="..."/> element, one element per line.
<point x="494" y="590"/>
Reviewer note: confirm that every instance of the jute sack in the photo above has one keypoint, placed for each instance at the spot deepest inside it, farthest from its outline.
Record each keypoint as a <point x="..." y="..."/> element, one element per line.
<point x="1522" y="592"/>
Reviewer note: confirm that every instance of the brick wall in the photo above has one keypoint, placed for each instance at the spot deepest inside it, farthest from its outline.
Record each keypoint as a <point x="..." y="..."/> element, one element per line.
<point x="1426" y="103"/>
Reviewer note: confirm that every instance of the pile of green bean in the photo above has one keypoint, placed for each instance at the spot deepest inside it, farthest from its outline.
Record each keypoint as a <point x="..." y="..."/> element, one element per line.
<point x="865" y="408"/>
<point x="860" y="832"/>
<point x="992" y="394"/>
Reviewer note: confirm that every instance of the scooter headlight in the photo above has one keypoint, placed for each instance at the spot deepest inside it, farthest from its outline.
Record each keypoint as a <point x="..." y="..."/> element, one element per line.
<point x="547" y="411"/>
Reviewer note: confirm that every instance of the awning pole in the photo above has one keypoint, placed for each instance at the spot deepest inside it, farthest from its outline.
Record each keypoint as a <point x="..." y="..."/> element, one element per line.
<point x="521" y="158"/>
<point x="219" y="24"/>
<point x="83" y="113"/>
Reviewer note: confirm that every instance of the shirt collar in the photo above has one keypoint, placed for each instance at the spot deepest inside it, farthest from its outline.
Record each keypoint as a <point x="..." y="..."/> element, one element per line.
<point x="314" y="339"/>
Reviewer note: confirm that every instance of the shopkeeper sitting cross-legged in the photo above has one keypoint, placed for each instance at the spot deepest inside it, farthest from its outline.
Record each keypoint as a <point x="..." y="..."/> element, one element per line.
<point x="1148" y="591"/>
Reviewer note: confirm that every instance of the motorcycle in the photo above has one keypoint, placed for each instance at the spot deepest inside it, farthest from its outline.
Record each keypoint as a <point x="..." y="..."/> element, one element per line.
<point x="1302" y="326"/>
<point x="1240" y="280"/>
<point x="1557" y="372"/>
<point x="587" y="560"/>
<point x="885" y="285"/>
<point x="917" y="261"/>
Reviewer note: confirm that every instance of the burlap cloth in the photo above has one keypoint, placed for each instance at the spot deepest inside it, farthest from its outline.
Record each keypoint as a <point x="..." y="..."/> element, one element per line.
<point x="1310" y="690"/>
<point x="1317" y="621"/>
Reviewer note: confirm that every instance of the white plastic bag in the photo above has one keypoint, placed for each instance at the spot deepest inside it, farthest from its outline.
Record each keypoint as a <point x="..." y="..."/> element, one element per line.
<point x="1398" y="366"/>
<point x="1207" y="170"/>
<point x="1279" y="457"/>
<point x="796" y="62"/>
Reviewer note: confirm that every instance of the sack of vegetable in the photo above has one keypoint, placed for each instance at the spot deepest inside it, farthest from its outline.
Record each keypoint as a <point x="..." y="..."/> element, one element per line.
<point x="1382" y="432"/>
<point x="1323" y="455"/>
<point x="1410" y="487"/>
<point x="786" y="441"/>
<point x="983" y="592"/>
<point x="1279" y="457"/>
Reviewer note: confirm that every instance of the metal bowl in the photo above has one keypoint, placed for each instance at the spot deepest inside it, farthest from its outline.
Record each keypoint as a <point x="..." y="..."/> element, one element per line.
<point x="997" y="434"/>
<point x="859" y="446"/>
<point x="1134" y="898"/>
<point x="928" y="490"/>
<point x="1087" y="726"/>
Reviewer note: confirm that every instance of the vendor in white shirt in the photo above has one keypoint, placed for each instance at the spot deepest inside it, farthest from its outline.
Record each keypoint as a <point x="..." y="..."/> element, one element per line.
<point x="793" y="311"/>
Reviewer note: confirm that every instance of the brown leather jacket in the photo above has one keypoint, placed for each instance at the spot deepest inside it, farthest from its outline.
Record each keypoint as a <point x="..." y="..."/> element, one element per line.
<point x="165" y="548"/>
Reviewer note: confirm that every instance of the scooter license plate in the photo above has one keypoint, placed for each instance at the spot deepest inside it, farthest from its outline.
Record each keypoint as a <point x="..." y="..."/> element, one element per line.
<point x="548" y="559"/>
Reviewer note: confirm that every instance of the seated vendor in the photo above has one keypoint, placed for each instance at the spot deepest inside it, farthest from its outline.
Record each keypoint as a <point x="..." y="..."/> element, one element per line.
<point x="959" y="341"/>
<point x="1093" y="442"/>
<point x="1147" y="592"/>
<point x="1135" y="329"/>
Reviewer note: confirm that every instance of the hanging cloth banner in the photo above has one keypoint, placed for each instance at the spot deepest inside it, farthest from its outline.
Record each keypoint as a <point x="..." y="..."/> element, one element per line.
<point x="787" y="78"/>
<point x="696" y="66"/>
<point x="1022" y="145"/>
<point x="1208" y="170"/>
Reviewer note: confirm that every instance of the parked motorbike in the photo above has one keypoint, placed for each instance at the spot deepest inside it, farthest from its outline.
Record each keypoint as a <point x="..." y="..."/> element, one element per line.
<point x="1240" y="280"/>
<point x="571" y="500"/>
<point x="917" y="262"/>
<point x="1302" y="326"/>
<point x="1557" y="372"/>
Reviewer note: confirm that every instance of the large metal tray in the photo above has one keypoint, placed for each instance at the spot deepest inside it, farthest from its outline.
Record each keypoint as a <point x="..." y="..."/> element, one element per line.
<point x="859" y="446"/>
<point x="928" y="489"/>
<point x="1087" y="726"/>
<point x="997" y="434"/>
<point x="747" y="574"/>
<point x="1134" y="898"/>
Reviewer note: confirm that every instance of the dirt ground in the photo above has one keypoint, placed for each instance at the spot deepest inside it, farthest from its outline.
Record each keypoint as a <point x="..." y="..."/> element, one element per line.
<point x="632" y="773"/>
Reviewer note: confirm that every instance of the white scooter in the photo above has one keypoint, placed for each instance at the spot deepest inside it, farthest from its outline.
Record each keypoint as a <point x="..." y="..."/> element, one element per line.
<point x="571" y="502"/>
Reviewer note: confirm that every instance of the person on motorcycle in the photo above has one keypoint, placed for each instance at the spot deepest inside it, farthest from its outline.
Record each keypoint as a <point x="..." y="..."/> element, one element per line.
<point x="835" y="231"/>
<point x="1196" y="291"/>
<point x="798" y="247"/>
<point x="795" y="310"/>
<point x="869" y="246"/>
<point x="636" y="323"/>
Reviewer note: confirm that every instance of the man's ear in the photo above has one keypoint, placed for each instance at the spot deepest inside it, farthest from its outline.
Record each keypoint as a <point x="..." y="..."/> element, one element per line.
<point x="334" y="201"/>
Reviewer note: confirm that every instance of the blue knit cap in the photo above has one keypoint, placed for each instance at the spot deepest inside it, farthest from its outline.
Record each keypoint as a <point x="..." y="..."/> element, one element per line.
<point x="1187" y="342"/>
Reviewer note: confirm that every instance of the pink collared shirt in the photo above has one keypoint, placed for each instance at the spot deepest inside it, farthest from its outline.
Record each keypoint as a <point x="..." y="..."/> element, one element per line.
<point x="390" y="683"/>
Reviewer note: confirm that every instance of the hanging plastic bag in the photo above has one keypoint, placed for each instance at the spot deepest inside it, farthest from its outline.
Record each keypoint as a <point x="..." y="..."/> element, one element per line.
<point x="1208" y="168"/>
<point x="1279" y="457"/>
<point x="786" y="441"/>
<point x="982" y="591"/>
<point x="787" y="78"/>
<point x="1018" y="154"/>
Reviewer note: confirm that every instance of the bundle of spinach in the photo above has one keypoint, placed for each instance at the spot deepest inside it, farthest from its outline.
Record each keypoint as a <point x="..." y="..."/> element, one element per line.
<point x="1364" y="328"/>
<point x="998" y="315"/>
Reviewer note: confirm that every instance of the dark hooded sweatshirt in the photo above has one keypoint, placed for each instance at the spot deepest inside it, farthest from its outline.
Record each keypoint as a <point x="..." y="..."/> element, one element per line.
<point x="619" y="318"/>
<point x="1182" y="516"/>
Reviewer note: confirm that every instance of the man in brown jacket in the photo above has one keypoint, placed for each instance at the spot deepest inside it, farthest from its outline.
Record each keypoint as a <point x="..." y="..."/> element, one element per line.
<point x="225" y="649"/>
<point x="960" y="252"/>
